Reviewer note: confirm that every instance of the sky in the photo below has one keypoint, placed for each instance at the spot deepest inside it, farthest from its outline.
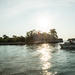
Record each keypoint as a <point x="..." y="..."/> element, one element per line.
<point x="20" y="16"/>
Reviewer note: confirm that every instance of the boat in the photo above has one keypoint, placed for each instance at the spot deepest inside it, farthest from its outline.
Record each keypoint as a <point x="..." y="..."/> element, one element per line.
<point x="70" y="44"/>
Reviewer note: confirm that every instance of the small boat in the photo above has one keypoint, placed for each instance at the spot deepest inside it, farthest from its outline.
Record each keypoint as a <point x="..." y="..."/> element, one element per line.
<point x="70" y="44"/>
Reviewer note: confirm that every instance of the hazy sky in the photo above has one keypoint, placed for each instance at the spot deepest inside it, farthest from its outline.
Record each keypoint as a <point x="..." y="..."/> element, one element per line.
<point x="19" y="16"/>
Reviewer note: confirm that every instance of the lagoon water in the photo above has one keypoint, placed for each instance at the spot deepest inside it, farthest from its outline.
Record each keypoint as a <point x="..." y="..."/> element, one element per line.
<point x="42" y="59"/>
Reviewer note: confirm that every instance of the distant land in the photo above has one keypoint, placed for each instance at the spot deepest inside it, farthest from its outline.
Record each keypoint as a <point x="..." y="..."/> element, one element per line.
<point x="32" y="37"/>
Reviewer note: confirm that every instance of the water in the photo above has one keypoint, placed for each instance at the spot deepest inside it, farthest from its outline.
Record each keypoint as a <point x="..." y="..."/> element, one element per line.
<point x="42" y="59"/>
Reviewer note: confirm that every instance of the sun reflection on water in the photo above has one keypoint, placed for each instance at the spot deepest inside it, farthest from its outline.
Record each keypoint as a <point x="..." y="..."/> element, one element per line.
<point x="42" y="58"/>
<point x="45" y="56"/>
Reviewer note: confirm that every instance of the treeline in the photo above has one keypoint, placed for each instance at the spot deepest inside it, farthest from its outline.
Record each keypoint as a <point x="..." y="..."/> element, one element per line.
<point x="32" y="36"/>
<point x="14" y="38"/>
<point x="38" y="37"/>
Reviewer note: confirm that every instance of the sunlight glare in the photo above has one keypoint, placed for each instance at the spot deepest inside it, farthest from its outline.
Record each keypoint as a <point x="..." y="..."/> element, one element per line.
<point x="45" y="56"/>
<point x="43" y="23"/>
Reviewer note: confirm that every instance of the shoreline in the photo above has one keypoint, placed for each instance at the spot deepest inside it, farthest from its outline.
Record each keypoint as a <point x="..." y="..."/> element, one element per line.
<point x="23" y="43"/>
<point x="12" y="43"/>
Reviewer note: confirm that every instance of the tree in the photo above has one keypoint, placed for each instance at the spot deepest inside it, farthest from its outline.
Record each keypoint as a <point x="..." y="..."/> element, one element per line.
<point x="5" y="37"/>
<point x="33" y="36"/>
<point x="53" y="33"/>
<point x="30" y="33"/>
<point x="1" y="39"/>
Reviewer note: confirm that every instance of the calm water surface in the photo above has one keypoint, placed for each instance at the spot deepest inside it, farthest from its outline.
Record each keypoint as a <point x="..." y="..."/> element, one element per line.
<point x="43" y="59"/>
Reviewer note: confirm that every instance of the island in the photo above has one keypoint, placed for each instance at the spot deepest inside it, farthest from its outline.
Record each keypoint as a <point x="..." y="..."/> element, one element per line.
<point x="32" y="37"/>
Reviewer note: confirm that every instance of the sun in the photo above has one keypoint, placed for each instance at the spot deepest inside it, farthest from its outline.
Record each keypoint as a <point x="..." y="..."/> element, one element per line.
<point x="43" y="23"/>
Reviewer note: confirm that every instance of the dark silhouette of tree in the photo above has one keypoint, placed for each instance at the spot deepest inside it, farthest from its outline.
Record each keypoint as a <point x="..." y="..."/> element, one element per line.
<point x="1" y="39"/>
<point x="18" y="38"/>
<point x="53" y="34"/>
<point x="5" y="37"/>
<point x="32" y="36"/>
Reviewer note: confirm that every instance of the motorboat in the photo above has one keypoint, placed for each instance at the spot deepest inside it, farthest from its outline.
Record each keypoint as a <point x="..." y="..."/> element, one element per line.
<point x="70" y="44"/>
